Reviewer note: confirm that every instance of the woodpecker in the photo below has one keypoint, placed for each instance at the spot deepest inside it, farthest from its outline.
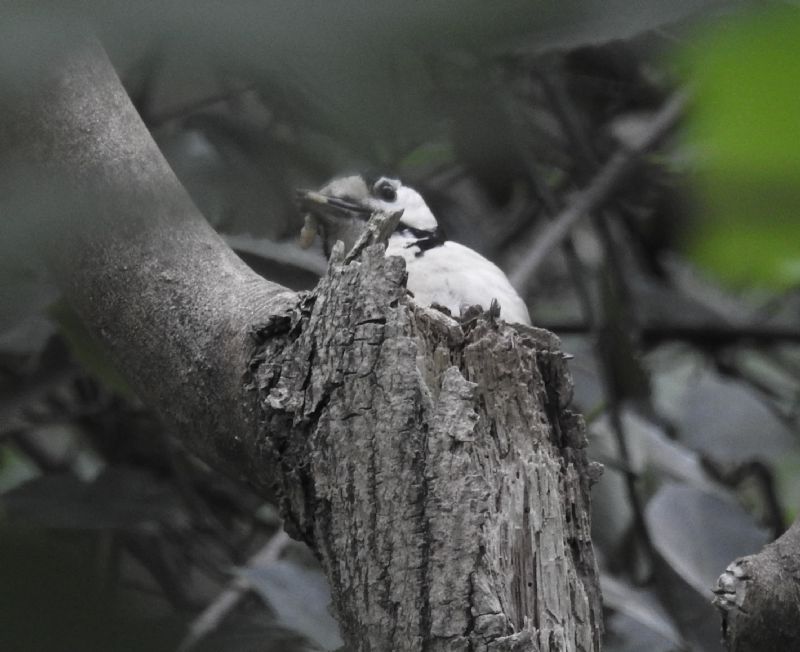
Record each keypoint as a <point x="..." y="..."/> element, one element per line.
<point x="439" y="271"/>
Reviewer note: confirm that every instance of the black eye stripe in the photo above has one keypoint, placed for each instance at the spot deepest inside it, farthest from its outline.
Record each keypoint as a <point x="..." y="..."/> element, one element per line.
<point x="385" y="190"/>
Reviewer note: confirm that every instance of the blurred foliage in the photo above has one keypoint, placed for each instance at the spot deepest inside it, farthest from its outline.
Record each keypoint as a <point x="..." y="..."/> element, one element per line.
<point x="55" y="597"/>
<point x="744" y="126"/>
<point x="84" y="348"/>
<point x="498" y="113"/>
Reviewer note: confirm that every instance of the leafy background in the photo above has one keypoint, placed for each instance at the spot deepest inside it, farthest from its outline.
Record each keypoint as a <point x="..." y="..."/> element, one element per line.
<point x="676" y="293"/>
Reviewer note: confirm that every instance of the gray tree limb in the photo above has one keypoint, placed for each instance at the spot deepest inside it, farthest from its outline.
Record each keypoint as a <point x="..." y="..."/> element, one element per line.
<point x="759" y="597"/>
<point x="433" y="466"/>
<point x="133" y="255"/>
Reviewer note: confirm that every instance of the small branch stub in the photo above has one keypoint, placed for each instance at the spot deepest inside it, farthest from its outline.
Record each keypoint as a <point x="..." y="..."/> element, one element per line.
<point x="379" y="227"/>
<point x="433" y="466"/>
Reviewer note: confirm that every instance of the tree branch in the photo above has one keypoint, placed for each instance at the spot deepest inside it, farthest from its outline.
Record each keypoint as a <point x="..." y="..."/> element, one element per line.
<point x="227" y="601"/>
<point x="444" y="453"/>
<point x="160" y="289"/>
<point x="707" y="335"/>
<point x="759" y="597"/>
<point x="598" y="191"/>
<point x="433" y="466"/>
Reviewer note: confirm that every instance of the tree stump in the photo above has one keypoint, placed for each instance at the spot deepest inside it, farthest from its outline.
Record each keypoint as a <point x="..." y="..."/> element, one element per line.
<point x="434" y="467"/>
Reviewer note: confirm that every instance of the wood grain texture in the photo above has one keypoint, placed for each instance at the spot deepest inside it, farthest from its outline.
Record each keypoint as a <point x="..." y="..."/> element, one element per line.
<point x="434" y="467"/>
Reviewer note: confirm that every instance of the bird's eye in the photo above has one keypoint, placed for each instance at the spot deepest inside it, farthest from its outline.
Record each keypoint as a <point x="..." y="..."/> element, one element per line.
<point x="386" y="191"/>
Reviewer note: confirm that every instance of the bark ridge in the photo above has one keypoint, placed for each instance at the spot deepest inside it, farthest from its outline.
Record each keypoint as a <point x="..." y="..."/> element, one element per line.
<point x="434" y="466"/>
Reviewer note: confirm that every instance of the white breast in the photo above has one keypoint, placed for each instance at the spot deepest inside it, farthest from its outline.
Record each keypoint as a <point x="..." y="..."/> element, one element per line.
<point x="457" y="277"/>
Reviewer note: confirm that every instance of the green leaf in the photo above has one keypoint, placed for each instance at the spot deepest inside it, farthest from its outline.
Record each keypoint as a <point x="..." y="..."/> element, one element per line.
<point x="745" y="124"/>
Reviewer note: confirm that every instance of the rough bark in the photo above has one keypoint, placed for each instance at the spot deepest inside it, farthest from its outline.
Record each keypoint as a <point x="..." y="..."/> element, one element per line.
<point x="434" y="466"/>
<point x="759" y="597"/>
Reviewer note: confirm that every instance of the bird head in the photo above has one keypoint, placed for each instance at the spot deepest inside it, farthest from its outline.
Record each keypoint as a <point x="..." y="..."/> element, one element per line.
<point x="342" y="207"/>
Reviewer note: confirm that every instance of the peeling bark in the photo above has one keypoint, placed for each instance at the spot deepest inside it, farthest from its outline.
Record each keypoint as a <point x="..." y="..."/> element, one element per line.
<point x="434" y="467"/>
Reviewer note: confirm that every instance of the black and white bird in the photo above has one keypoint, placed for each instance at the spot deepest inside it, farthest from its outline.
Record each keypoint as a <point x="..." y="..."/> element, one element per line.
<point x="439" y="271"/>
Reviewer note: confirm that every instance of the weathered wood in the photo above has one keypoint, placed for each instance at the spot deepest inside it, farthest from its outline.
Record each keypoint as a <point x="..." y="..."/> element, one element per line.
<point x="434" y="467"/>
<point x="759" y="597"/>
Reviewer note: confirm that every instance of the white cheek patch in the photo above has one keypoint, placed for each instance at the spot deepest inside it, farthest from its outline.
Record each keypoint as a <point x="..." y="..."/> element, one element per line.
<point x="416" y="213"/>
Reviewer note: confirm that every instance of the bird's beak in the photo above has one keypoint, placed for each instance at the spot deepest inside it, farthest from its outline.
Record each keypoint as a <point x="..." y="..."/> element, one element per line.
<point x="326" y="207"/>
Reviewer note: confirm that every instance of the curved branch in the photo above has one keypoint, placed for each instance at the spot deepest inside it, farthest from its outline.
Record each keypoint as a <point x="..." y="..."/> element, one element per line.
<point x="433" y="465"/>
<point x="131" y="252"/>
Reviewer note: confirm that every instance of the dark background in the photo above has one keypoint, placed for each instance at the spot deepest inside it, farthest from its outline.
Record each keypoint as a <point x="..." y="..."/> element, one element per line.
<point x="676" y="292"/>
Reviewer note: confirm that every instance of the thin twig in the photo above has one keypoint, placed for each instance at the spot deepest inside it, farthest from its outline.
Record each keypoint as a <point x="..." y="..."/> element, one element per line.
<point x="712" y="335"/>
<point x="597" y="191"/>
<point x="620" y="319"/>
<point x="278" y="253"/>
<point x="147" y="547"/>
<point x="213" y="615"/>
<point x="551" y="205"/>
<point x="585" y="156"/>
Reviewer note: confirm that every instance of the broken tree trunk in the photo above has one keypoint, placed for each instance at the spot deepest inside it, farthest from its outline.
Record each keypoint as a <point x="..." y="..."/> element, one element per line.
<point x="434" y="467"/>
